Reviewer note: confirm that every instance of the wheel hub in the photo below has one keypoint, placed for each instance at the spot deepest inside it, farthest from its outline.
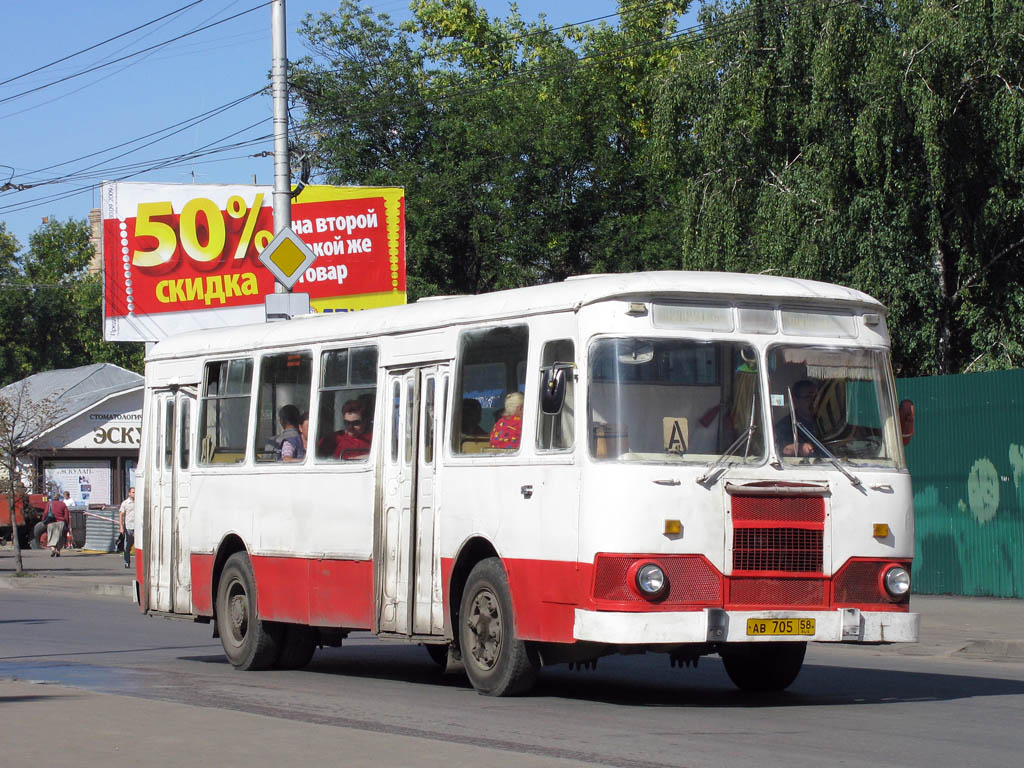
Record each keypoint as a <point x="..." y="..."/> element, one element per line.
<point x="238" y="614"/>
<point x="484" y="622"/>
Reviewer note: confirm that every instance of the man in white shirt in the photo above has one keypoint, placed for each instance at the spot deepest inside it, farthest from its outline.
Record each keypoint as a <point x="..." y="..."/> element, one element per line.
<point x="126" y="519"/>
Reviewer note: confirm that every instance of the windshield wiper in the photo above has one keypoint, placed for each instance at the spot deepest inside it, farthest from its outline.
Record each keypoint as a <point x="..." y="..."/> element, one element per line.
<point x="746" y="434"/>
<point x="829" y="455"/>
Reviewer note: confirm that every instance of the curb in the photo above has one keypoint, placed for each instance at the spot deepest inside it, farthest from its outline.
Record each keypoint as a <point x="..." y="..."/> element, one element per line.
<point x="1002" y="650"/>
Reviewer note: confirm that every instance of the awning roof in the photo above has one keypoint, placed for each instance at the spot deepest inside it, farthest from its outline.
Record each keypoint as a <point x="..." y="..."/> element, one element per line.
<point x="74" y="390"/>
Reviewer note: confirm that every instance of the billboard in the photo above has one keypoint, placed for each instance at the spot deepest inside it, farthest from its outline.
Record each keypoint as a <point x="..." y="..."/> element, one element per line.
<point x="180" y="257"/>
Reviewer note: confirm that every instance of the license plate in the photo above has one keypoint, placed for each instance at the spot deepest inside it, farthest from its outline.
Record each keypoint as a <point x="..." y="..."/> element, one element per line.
<point x="780" y="627"/>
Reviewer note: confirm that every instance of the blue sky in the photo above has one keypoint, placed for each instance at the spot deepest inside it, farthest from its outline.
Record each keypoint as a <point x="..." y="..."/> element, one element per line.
<point x="149" y="93"/>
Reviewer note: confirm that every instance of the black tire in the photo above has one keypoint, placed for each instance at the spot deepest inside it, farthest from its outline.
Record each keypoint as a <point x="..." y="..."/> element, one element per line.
<point x="36" y="542"/>
<point x="298" y="644"/>
<point x="763" y="666"/>
<point x="438" y="653"/>
<point x="249" y="642"/>
<point x="497" y="662"/>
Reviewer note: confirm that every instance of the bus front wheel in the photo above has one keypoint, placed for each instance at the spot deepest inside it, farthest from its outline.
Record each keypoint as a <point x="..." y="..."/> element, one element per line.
<point x="497" y="662"/>
<point x="249" y="642"/>
<point x="763" y="666"/>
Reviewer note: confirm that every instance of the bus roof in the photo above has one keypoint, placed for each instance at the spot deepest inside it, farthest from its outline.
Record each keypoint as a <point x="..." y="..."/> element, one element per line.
<point x="518" y="302"/>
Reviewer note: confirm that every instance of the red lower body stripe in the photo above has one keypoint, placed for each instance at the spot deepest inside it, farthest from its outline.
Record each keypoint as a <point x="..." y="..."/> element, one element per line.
<point x="323" y="593"/>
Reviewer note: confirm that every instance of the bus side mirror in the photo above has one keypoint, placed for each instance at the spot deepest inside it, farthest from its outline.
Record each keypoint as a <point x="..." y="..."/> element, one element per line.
<point x="907" y="420"/>
<point x="552" y="393"/>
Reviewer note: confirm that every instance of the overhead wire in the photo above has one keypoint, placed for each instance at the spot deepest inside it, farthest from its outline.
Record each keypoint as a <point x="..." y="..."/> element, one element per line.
<point x="132" y="55"/>
<point x="100" y="44"/>
<point x="106" y="76"/>
<point x="135" y="169"/>
<point x="167" y="133"/>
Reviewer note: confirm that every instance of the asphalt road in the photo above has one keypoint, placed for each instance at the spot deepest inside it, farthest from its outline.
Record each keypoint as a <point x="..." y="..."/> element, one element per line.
<point x="850" y="706"/>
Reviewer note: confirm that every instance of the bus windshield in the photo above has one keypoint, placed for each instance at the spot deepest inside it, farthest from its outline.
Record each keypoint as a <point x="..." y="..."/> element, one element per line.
<point x="674" y="400"/>
<point x="831" y="403"/>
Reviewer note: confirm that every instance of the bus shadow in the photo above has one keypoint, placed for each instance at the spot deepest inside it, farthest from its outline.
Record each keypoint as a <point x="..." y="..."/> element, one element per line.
<point x="648" y="681"/>
<point x="816" y="686"/>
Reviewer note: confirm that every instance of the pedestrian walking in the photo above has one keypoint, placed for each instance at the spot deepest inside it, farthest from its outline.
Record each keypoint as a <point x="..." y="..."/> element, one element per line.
<point x="58" y="520"/>
<point x="126" y="520"/>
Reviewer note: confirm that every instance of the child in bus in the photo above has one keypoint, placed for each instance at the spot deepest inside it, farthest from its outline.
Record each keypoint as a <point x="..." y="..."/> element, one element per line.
<point x="472" y="413"/>
<point x="353" y="442"/>
<point x="509" y="428"/>
<point x="287" y="443"/>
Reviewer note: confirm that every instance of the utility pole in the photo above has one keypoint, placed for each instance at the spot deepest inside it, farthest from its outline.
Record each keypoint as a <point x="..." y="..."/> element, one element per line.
<point x="286" y="256"/>
<point x="279" y="87"/>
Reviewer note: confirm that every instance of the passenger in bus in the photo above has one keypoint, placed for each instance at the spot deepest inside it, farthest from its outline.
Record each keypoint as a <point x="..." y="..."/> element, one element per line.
<point x="304" y="432"/>
<point x="287" y="443"/>
<point x="354" y="441"/>
<point x="509" y="428"/>
<point x="804" y="394"/>
<point x="472" y="412"/>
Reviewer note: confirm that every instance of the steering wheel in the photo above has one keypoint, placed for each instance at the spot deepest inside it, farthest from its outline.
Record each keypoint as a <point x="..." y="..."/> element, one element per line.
<point x="862" y="447"/>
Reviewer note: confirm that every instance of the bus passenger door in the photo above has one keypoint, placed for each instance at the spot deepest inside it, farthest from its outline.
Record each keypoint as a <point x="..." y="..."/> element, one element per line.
<point x="407" y="566"/>
<point x="181" y="478"/>
<point x="427" y="612"/>
<point x="166" y="547"/>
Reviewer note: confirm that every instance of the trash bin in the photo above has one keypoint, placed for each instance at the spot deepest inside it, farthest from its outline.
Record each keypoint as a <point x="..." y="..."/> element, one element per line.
<point x="77" y="528"/>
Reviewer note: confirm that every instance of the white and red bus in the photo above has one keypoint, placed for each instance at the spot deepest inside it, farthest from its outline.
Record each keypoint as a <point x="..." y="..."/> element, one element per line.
<point x="703" y="464"/>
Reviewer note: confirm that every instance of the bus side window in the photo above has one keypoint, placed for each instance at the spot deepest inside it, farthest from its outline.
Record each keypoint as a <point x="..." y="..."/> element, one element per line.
<point x="184" y="436"/>
<point x="285" y="380"/>
<point x="491" y="365"/>
<point x="347" y="398"/>
<point x="555" y="431"/>
<point x="224" y="411"/>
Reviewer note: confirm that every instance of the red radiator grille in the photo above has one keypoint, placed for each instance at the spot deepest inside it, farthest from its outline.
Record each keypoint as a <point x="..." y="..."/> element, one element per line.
<point x="767" y="592"/>
<point x="778" y="509"/>
<point x="691" y="579"/>
<point x="794" y="550"/>
<point x="778" y="534"/>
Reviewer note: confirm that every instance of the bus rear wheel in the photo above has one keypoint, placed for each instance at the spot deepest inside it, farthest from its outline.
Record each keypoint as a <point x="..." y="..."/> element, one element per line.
<point x="763" y="666"/>
<point x="298" y="644"/>
<point x="248" y="641"/>
<point x="497" y="662"/>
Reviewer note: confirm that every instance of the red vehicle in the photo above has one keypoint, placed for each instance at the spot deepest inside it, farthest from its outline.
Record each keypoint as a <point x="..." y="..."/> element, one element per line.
<point x="28" y="516"/>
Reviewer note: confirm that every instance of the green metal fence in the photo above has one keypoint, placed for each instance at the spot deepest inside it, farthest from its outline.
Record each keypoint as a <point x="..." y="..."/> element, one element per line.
<point x="967" y="464"/>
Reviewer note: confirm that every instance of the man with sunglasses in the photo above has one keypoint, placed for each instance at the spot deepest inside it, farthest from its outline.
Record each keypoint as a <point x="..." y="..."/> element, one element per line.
<point x="354" y="441"/>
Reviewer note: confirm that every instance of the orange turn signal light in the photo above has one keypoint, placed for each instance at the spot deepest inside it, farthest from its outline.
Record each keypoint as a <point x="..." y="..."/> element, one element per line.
<point x="881" y="530"/>
<point x="673" y="527"/>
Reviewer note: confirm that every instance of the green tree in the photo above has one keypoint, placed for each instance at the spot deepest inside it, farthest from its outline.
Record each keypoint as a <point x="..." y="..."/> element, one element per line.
<point x="52" y="306"/>
<point x="879" y="147"/>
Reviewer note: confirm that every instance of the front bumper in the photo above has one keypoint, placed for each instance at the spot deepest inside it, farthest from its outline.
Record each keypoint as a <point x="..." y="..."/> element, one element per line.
<point x="715" y="625"/>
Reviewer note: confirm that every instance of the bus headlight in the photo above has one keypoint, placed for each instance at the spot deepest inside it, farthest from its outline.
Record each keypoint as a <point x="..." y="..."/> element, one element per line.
<point x="650" y="580"/>
<point x="897" y="582"/>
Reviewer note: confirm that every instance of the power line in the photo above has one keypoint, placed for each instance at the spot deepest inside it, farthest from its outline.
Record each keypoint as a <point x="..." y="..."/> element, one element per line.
<point x="100" y="44"/>
<point x="133" y="55"/>
<point x="130" y="171"/>
<point x="168" y="132"/>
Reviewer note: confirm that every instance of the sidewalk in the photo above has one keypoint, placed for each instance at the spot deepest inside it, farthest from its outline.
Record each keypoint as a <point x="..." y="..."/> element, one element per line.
<point x="966" y="627"/>
<point x="76" y="570"/>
